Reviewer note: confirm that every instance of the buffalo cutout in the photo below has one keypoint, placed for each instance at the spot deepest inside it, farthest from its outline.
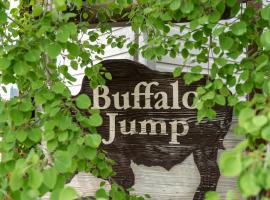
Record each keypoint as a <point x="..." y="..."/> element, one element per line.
<point x="174" y="133"/>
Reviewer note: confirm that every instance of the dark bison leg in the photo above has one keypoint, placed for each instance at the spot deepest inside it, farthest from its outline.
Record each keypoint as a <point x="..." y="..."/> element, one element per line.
<point x="124" y="174"/>
<point x="206" y="161"/>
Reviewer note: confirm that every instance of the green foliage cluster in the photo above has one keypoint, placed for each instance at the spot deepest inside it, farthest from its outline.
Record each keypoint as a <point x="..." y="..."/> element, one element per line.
<point x="236" y="53"/>
<point x="48" y="135"/>
<point x="41" y="154"/>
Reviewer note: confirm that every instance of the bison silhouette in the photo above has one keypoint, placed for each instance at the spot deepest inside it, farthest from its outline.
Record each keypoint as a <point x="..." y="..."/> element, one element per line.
<point x="156" y="148"/>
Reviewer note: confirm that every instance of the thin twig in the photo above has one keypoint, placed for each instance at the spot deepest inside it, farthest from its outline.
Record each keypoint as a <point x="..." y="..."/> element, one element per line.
<point x="15" y="21"/>
<point x="209" y="50"/>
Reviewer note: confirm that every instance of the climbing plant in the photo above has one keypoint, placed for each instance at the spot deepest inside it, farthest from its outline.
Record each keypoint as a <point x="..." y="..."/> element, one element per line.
<point x="45" y="140"/>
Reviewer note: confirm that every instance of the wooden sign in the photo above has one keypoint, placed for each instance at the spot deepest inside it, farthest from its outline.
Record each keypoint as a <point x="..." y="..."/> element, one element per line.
<point x="149" y="119"/>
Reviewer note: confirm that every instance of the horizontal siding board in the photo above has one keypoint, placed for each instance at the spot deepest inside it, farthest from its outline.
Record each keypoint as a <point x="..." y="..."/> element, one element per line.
<point x="120" y="55"/>
<point x="79" y="74"/>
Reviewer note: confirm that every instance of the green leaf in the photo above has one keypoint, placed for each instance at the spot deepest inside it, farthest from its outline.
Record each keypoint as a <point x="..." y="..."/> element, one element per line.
<point x="218" y="31"/>
<point x="21" y="135"/>
<point x="266" y="87"/>
<point x="260" y="120"/>
<point x="17" y="117"/>
<point x="51" y="145"/>
<point x="35" y="135"/>
<point x="166" y="16"/>
<point x="29" y="194"/>
<point x="266" y="133"/>
<point x="231" y="3"/>
<point x="226" y="43"/>
<point x="3" y="17"/>
<point x="267" y="179"/>
<point x="21" y="68"/>
<point x="49" y="134"/>
<point x="265" y="13"/>
<point x="35" y="179"/>
<point x="209" y="95"/>
<point x="210" y="113"/>
<point x="265" y="39"/>
<point x="74" y="65"/>
<point x="37" y="10"/>
<point x="78" y="3"/>
<point x="62" y="36"/>
<point x="59" y="87"/>
<point x="185" y="53"/>
<point x="68" y="193"/>
<point x="187" y="7"/>
<point x="108" y="75"/>
<point x="215" y="17"/>
<point x="245" y="115"/>
<point x="218" y="84"/>
<point x="101" y="194"/>
<point x="26" y="105"/>
<point x="261" y="61"/>
<point x="16" y="179"/>
<point x="83" y="101"/>
<point x="211" y="195"/>
<point x="230" y="163"/>
<point x="232" y="100"/>
<point x="32" y="55"/>
<point x="39" y="99"/>
<point x="175" y="4"/>
<point x="248" y="184"/>
<point x="60" y="4"/>
<point x="177" y="72"/>
<point x="93" y="36"/>
<point x="220" y="99"/>
<point x="93" y="140"/>
<point x="239" y="28"/>
<point x="95" y="120"/>
<point x="32" y="158"/>
<point x="200" y="90"/>
<point x="65" y="31"/>
<point x="194" y="24"/>
<point x="50" y="177"/>
<point x="90" y="153"/>
<point x="221" y="61"/>
<point x="53" y="50"/>
<point x="71" y="28"/>
<point x="63" y="136"/>
<point x="244" y="75"/>
<point x="4" y="63"/>
<point x="191" y="77"/>
<point x="196" y="69"/>
<point x="62" y="161"/>
<point x="73" y="49"/>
